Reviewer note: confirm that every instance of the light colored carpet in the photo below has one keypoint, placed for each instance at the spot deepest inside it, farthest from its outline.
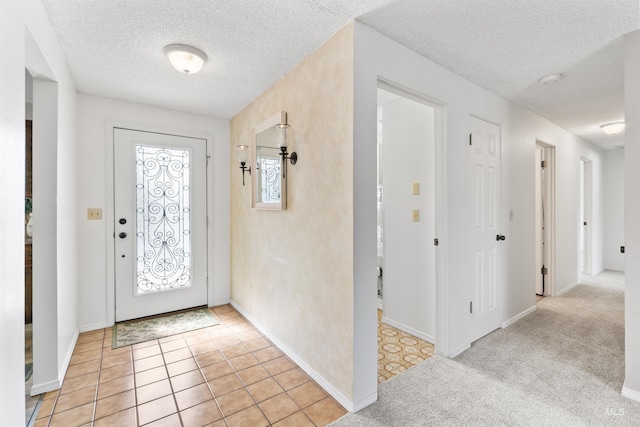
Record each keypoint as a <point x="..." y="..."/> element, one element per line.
<point x="150" y="328"/>
<point x="561" y="365"/>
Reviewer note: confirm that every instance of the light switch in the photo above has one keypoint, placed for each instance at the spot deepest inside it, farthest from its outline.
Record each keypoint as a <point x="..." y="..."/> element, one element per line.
<point x="94" y="213"/>
<point x="416" y="188"/>
<point x="416" y="215"/>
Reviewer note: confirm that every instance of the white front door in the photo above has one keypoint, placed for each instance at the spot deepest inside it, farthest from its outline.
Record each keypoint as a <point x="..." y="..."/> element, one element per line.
<point x="160" y="223"/>
<point x="486" y="238"/>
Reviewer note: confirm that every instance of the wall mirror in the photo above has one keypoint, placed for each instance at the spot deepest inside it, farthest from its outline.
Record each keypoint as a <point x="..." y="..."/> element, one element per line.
<point x="269" y="188"/>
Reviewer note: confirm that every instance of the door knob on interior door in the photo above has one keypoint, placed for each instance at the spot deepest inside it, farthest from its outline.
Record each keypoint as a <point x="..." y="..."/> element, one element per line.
<point x="500" y="237"/>
<point x="122" y="235"/>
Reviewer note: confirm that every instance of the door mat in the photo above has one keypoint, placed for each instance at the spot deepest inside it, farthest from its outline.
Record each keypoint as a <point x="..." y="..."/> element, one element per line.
<point x="151" y="328"/>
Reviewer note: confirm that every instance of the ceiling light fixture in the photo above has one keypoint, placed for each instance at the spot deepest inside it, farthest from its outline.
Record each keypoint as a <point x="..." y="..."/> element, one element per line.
<point x="613" y="128"/>
<point x="185" y="59"/>
<point x="551" y="79"/>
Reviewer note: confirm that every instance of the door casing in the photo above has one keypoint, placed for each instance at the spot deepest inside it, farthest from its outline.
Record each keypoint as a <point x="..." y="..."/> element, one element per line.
<point x="109" y="205"/>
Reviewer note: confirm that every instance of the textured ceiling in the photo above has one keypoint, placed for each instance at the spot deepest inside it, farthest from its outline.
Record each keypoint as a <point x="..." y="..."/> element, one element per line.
<point x="115" y="48"/>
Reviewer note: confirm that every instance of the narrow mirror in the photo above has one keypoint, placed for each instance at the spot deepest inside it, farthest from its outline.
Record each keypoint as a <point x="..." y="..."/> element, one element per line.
<point x="269" y="187"/>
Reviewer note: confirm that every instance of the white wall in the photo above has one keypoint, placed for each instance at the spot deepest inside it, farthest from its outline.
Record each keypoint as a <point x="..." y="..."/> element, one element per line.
<point x="613" y="206"/>
<point x="632" y="213"/>
<point x="377" y="56"/>
<point x="28" y="39"/>
<point x="409" y="254"/>
<point x="94" y="114"/>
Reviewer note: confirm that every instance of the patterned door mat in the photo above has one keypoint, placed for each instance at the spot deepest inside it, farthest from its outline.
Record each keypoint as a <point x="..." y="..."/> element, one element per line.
<point x="151" y="328"/>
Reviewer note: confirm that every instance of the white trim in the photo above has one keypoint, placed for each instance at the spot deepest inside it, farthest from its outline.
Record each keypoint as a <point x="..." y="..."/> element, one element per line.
<point x="519" y="316"/>
<point x="341" y="398"/>
<point x="409" y="330"/>
<point x="109" y="204"/>
<point x="94" y="326"/>
<point x="441" y="340"/>
<point x="216" y="303"/>
<point x="567" y="289"/>
<point x="630" y="393"/>
<point x="37" y="389"/>
<point x="380" y="304"/>
<point x="458" y="350"/>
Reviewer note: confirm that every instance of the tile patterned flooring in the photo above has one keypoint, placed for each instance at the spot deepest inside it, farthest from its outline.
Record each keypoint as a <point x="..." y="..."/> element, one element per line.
<point x="224" y="376"/>
<point x="398" y="351"/>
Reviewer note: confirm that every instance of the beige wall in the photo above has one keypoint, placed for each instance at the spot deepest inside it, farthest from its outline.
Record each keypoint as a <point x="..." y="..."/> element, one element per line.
<point x="292" y="271"/>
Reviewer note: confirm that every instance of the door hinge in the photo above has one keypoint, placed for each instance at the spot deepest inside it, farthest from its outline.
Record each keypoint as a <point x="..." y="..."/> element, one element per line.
<point x="208" y="157"/>
<point x="207" y="281"/>
<point x="543" y="164"/>
<point x="471" y="307"/>
<point x="544" y="271"/>
<point x="436" y="242"/>
<point x="470" y="139"/>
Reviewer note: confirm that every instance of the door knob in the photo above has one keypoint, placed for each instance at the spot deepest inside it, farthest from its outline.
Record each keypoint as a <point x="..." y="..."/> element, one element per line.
<point x="500" y="237"/>
<point x="122" y="235"/>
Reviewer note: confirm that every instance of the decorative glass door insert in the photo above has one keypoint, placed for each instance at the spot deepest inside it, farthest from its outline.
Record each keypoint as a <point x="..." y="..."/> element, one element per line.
<point x="160" y="223"/>
<point x="163" y="241"/>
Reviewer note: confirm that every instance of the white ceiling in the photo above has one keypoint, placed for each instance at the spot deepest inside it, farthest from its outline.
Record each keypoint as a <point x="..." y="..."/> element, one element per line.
<point x="115" y="48"/>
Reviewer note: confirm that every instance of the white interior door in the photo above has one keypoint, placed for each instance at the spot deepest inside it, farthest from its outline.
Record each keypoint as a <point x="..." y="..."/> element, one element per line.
<point x="485" y="174"/>
<point x="160" y="223"/>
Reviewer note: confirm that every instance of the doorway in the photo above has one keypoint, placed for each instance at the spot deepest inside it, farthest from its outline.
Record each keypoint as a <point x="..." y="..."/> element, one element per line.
<point x="160" y="222"/>
<point x="544" y="219"/>
<point x="586" y="203"/>
<point x="406" y="228"/>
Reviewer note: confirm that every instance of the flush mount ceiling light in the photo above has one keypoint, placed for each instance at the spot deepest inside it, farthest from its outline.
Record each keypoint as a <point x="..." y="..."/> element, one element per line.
<point x="551" y="79"/>
<point x="613" y="128"/>
<point x="185" y="59"/>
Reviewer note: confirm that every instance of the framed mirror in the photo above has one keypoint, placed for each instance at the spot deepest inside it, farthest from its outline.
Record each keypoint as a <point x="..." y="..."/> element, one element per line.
<point x="268" y="186"/>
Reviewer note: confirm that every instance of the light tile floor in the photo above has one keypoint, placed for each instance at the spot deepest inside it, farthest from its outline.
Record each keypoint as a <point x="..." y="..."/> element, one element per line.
<point x="398" y="351"/>
<point x="226" y="375"/>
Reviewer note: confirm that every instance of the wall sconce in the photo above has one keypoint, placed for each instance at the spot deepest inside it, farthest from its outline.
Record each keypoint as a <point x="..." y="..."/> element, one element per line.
<point x="613" y="128"/>
<point x="242" y="158"/>
<point x="283" y="142"/>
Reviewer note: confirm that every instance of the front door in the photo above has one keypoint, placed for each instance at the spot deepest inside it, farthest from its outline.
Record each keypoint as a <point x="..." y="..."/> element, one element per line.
<point x="160" y="223"/>
<point x="486" y="238"/>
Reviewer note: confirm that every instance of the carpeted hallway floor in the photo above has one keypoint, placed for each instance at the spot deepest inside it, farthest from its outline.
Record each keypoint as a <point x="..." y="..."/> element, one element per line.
<point x="561" y="365"/>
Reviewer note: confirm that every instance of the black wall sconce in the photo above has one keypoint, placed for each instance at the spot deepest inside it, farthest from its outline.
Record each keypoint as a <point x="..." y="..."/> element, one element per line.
<point x="283" y="143"/>
<point x="242" y="158"/>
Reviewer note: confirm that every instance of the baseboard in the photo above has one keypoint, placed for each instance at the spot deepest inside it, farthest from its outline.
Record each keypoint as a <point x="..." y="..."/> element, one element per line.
<point x="518" y="316"/>
<point x="37" y="389"/>
<point x="459" y="350"/>
<point x="630" y="393"/>
<point x="220" y="302"/>
<point x="363" y="403"/>
<point x="93" y="327"/>
<point x="404" y="328"/>
<point x="342" y="399"/>
<point x="567" y="289"/>
<point x="380" y="305"/>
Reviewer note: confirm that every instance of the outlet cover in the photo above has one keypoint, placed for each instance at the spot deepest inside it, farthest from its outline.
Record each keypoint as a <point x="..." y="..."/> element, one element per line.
<point x="94" y="213"/>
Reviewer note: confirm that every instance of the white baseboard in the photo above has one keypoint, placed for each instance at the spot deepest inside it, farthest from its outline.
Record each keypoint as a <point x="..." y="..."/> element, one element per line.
<point x="380" y="304"/>
<point x="404" y="328"/>
<point x="630" y="393"/>
<point x="363" y="403"/>
<point x="37" y="389"/>
<point x="93" y="327"/>
<point x="567" y="289"/>
<point x="459" y="350"/>
<point x="220" y="302"/>
<point x="518" y="316"/>
<point x="342" y="399"/>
